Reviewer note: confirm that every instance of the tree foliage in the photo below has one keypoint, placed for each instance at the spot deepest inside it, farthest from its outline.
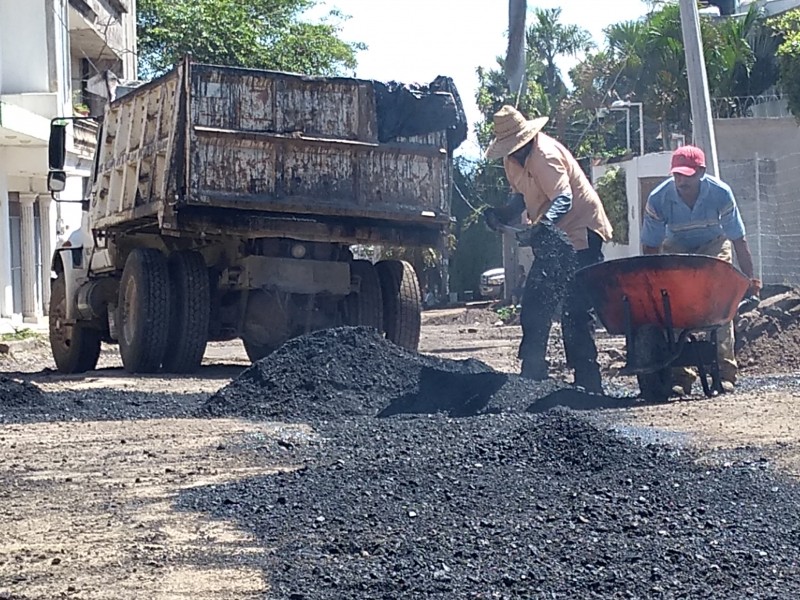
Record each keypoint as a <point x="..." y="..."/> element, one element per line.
<point x="612" y="188"/>
<point x="787" y="26"/>
<point x="644" y="61"/>
<point x="267" y="34"/>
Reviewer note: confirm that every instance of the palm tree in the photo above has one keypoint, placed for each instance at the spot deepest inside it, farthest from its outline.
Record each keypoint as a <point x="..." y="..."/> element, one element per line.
<point x="548" y="39"/>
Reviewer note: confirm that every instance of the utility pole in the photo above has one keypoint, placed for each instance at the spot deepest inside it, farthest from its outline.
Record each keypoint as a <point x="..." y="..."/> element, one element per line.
<point x="702" y="120"/>
<point x="515" y="75"/>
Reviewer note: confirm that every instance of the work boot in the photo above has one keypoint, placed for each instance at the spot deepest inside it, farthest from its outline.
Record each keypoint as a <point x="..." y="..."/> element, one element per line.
<point x="589" y="379"/>
<point x="678" y="391"/>
<point x="537" y="370"/>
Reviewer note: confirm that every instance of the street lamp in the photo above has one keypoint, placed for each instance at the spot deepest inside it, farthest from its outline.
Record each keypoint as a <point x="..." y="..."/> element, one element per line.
<point x="627" y="105"/>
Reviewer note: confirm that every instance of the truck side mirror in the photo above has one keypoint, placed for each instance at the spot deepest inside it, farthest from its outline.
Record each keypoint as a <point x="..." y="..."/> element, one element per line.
<point x="56" y="181"/>
<point x="57" y="147"/>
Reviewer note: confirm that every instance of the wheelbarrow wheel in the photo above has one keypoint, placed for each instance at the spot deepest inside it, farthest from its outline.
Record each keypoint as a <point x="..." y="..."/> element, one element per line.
<point x="651" y="348"/>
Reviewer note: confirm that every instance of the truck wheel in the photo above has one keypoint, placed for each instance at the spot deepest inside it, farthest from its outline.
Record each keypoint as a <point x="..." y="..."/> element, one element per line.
<point x="650" y="348"/>
<point x="190" y="311"/>
<point x="365" y="307"/>
<point x="75" y="348"/>
<point x="402" y="306"/>
<point x="144" y="300"/>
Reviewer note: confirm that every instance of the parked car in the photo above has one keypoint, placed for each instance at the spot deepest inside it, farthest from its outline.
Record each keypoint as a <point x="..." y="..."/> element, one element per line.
<point x="493" y="283"/>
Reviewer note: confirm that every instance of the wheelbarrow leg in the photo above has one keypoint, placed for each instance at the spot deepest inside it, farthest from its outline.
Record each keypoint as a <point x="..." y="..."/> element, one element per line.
<point x="705" y="358"/>
<point x="716" y="379"/>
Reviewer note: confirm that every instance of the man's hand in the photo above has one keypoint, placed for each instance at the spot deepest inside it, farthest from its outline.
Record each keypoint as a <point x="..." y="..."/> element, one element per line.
<point x="755" y="288"/>
<point x="492" y="219"/>
<point x="495" y="217"/>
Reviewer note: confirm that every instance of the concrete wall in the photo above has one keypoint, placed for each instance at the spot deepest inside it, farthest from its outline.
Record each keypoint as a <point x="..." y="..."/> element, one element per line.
<point x="760" y="160"/>
<point x="741" y="139"/>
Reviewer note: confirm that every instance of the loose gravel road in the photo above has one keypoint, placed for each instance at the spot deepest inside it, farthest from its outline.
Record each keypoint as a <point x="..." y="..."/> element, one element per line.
<point x="114" y="486"/>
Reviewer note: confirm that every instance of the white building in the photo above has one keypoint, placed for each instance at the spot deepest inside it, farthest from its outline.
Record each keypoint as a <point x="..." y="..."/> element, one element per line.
<point x="49" y="49"/>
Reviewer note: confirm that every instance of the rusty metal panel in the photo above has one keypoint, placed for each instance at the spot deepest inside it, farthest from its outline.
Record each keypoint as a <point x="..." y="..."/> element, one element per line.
<point x="266" y="101"/>
<point x="392" y="182"/>
<point x="135" y="148"/>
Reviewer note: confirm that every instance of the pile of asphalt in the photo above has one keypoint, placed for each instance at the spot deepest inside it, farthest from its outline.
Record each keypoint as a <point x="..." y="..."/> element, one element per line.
<point x="497" y="503"/>
<point x="512" y="506"/>
<point x="15" y="393"/>
<point x="354" y="371"/>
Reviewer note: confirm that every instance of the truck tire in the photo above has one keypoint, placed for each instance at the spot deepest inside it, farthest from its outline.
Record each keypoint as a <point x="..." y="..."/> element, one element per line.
<point x="75" y="348"/>
<point x="190" y="311"/>
<point x="402" y="305"/>
<point x="365" y="307"/>
<point x="144" y="301"/>
<point x="650" y="348"/>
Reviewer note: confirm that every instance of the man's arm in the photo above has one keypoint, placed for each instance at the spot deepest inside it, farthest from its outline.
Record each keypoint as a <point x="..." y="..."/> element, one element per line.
<point x="654" y="227"/>
<point x="559" y="206"/>
<point x="743" y="256"/>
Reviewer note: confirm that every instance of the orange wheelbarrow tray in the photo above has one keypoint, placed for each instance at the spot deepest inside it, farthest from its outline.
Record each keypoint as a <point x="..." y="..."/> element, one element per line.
<point x="660" y="302"/>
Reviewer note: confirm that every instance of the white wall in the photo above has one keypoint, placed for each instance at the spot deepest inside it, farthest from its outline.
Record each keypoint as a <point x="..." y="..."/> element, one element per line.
<point x="23" y="47"/>
<point x="649" y="165"/>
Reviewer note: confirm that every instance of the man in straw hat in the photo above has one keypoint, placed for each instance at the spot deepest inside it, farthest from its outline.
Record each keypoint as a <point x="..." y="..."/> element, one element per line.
<point x="548" y="183"/>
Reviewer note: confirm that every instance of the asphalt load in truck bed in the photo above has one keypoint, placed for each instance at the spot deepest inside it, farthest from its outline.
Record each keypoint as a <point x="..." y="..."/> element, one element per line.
<point x="493" y="505"/>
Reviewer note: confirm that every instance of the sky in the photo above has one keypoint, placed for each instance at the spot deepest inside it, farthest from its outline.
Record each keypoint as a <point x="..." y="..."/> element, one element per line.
<point x="417" y="40"/>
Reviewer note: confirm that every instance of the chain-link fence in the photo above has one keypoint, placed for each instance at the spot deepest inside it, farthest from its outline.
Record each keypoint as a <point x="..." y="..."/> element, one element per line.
<point x="768" y="193"/>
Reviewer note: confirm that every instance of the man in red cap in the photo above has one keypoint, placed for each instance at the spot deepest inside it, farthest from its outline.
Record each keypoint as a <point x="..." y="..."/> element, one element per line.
<point x="695" y="213"/>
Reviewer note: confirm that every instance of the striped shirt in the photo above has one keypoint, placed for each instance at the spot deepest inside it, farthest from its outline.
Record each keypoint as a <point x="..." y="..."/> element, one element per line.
<point x="668" y="217"/>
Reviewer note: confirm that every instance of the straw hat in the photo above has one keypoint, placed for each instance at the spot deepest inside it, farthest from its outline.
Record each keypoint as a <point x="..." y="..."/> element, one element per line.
<point x="512" y="131"/>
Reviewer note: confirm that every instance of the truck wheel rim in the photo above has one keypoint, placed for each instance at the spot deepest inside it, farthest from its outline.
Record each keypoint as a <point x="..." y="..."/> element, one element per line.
<point x="62" y="333"/>
<point x="128" y="308"/>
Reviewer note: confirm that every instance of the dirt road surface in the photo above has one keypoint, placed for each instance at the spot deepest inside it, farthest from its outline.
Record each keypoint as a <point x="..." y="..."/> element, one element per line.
<point x="88" y="478"/>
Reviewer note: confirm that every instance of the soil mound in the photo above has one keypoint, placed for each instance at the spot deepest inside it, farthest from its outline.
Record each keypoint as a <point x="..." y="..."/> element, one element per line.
<point x="768" y="337"/>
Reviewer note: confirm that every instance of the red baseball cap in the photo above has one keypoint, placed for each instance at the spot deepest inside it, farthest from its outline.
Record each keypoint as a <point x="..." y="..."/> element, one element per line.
<point x="687" y="159"/>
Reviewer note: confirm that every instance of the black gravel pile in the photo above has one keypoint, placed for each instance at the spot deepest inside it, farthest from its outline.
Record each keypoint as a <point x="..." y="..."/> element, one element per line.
<point x="513" y="506"/>
<point x="353" y="371"/>
<point x="14" y="393"/>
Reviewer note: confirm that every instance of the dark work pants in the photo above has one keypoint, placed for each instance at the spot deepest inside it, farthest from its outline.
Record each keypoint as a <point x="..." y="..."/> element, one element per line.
<point x="541" y="298"/>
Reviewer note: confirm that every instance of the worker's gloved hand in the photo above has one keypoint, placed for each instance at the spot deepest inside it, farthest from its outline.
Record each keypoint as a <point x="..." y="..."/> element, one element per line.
<point x="491" y="218"/>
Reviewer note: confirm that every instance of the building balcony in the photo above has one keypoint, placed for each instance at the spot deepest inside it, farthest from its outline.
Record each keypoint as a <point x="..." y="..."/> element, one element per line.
<point x="20" y="126"/>
<point x="101" y="30"/>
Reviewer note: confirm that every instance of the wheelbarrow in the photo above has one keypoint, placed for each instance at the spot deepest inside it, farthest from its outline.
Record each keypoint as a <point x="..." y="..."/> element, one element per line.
<point x="669" y="307"/>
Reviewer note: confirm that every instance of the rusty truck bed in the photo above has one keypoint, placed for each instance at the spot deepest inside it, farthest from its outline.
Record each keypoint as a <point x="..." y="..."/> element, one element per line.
<point x="207" y="142"/>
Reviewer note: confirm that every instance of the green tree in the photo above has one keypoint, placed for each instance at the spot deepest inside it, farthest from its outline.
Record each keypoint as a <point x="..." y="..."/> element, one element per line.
<point x="787" y="27"/>
<point x="548" y="39"/>
<point x="644" y="61"/>
<point x="265" y="34"/>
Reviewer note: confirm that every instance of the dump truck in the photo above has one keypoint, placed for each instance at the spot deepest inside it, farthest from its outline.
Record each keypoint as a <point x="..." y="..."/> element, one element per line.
<point x="226" y="203"/>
